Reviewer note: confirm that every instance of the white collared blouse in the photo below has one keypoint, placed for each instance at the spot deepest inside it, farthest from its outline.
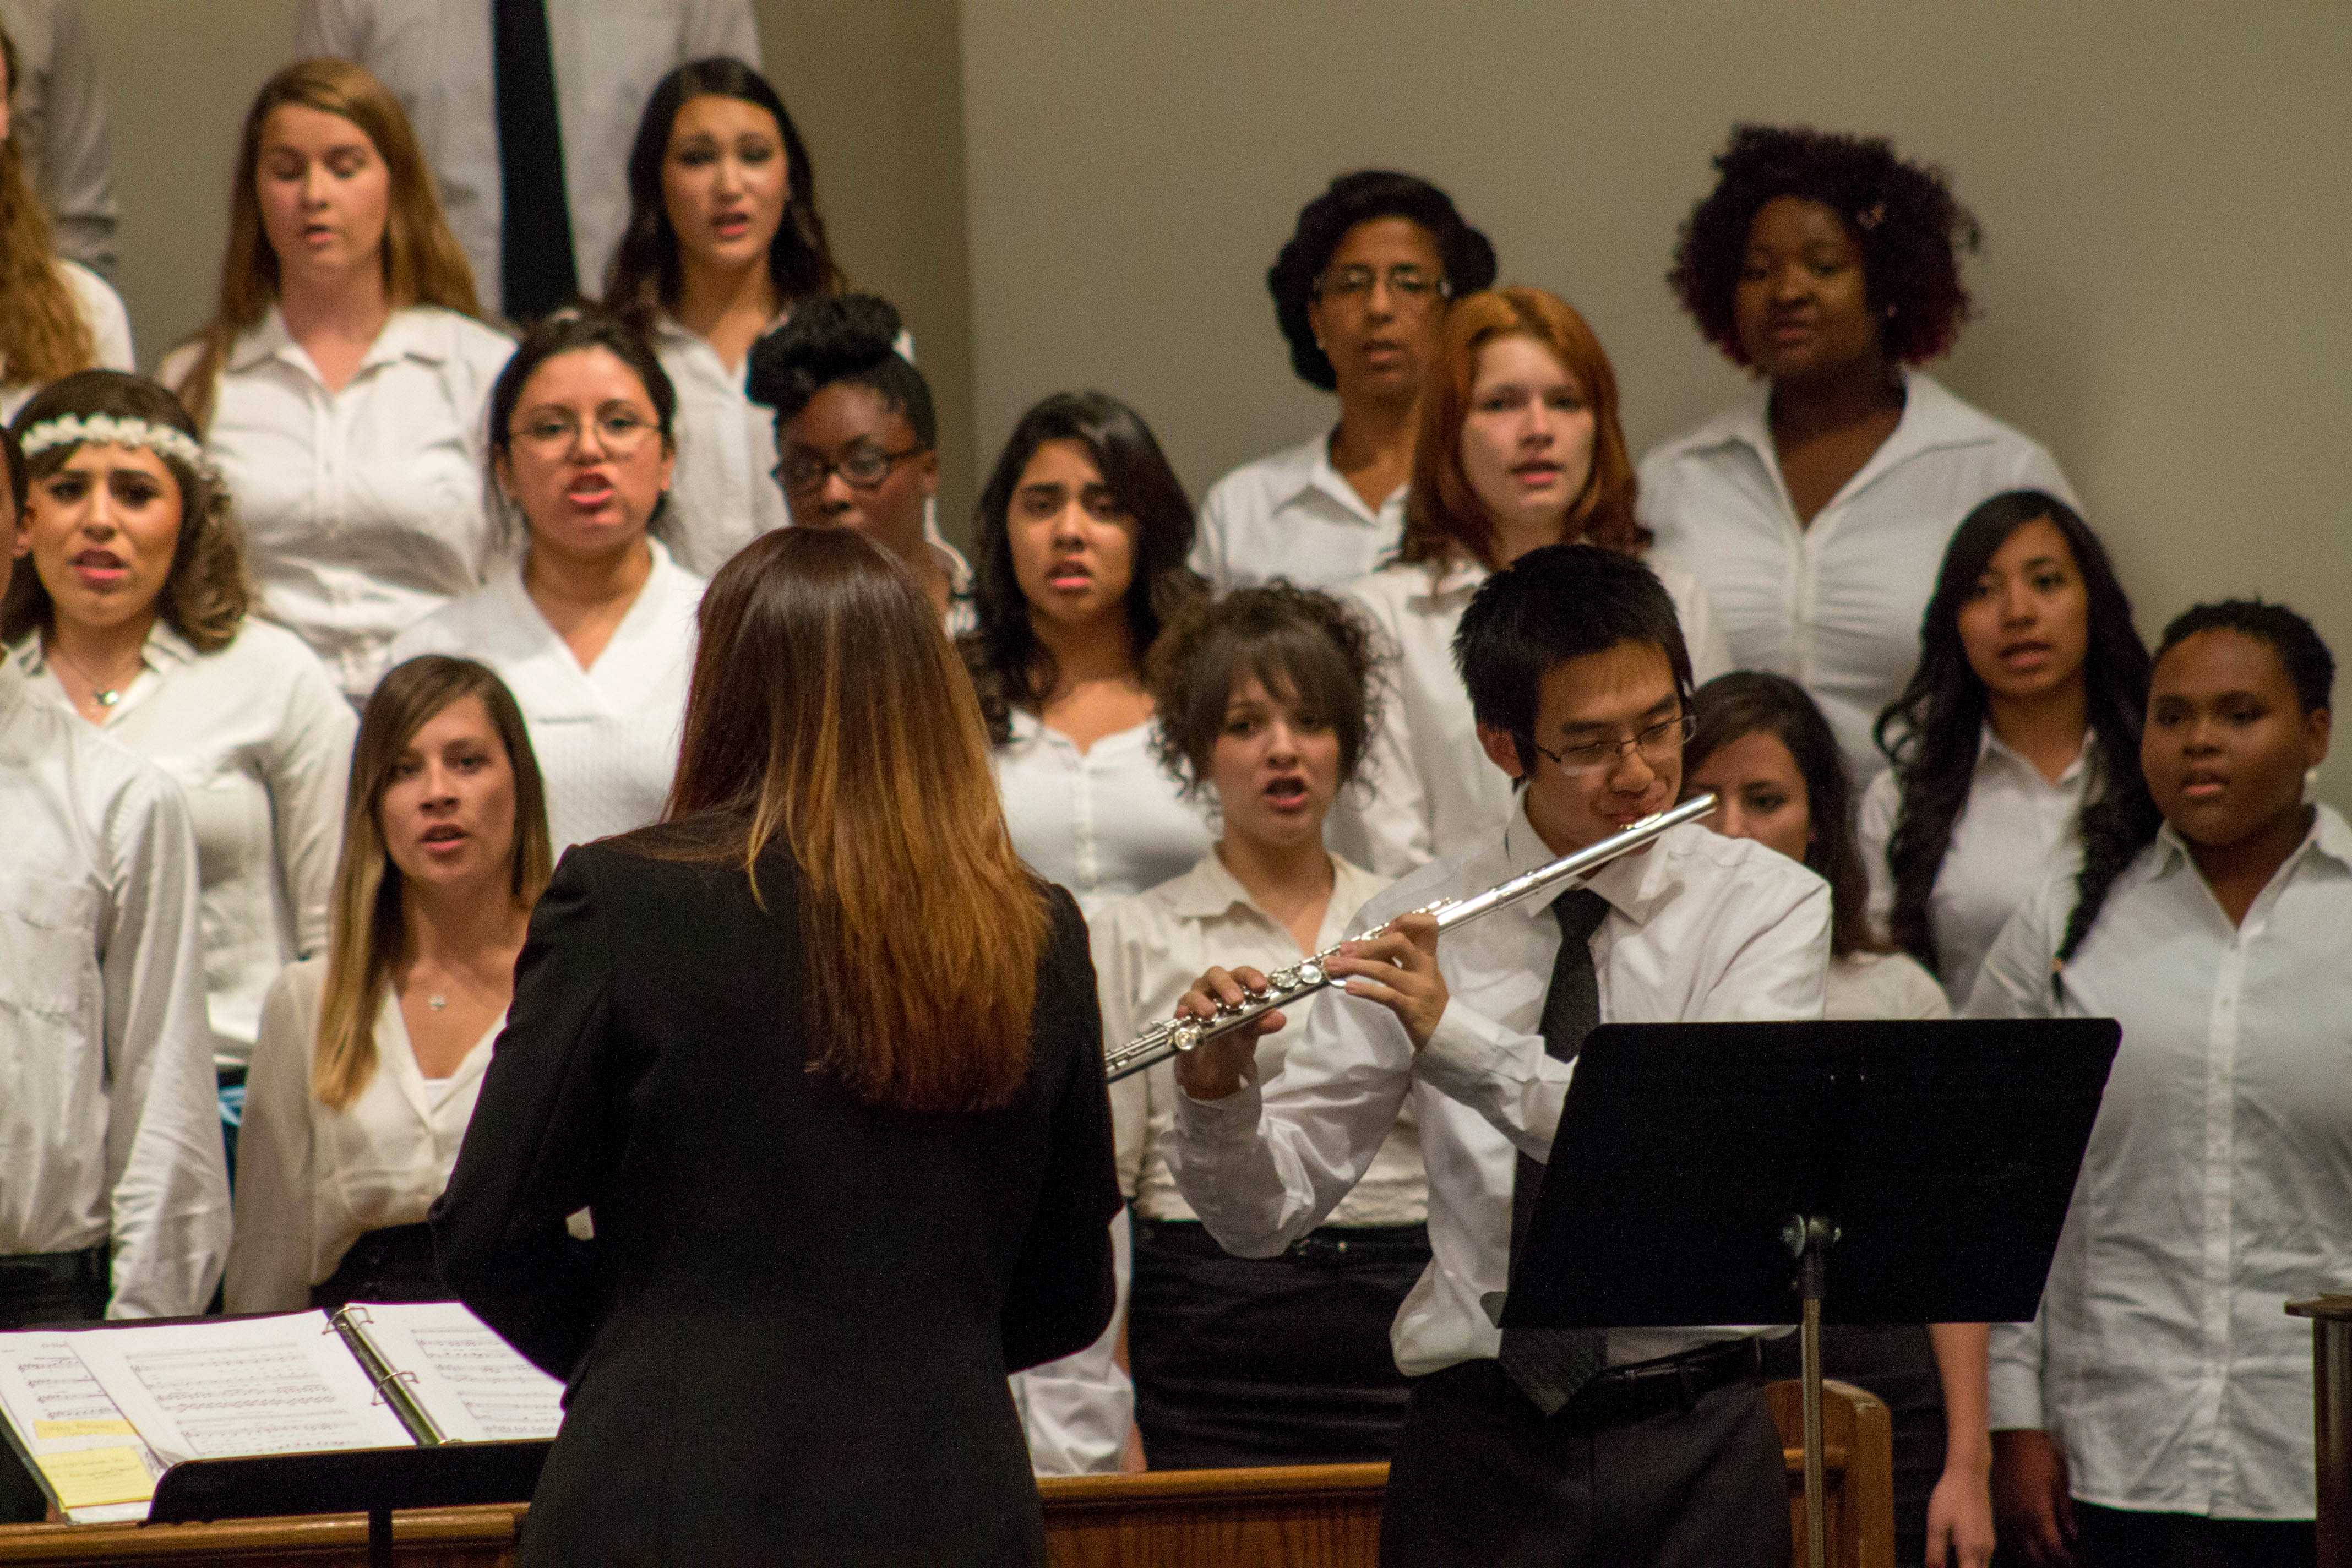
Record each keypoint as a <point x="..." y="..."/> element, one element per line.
<point x="1833" y="604"/>
<point x="2217" y="1185"/>
<point x="362" y="509"/>
<point x="608" y="736"/>
<point x="311" y="1181"/>
<point x="1429" y="790"/>
<point x="1105" y="822"/>
<point x="109" y="1127"/>
<point x="259" y="741"/>
<point x="1292" y="515"/>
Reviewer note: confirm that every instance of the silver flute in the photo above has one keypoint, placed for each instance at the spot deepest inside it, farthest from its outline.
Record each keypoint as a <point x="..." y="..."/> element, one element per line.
<point x="1285" y="986"/>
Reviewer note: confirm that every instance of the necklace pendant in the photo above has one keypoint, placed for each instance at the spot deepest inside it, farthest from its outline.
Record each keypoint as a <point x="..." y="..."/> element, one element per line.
<point x="108" y="698"/>
<point x="436" y="1003"/>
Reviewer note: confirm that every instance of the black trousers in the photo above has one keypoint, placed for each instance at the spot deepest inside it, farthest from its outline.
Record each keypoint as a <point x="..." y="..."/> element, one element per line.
<point x="1268" y="1361"/>
<point x="53" y="1287"/>
<point x="1898" y="1363"/>
<point x="1482" y="1479"/>
<point x="2125" y="1538"/>
<point x="394" y="1264"/>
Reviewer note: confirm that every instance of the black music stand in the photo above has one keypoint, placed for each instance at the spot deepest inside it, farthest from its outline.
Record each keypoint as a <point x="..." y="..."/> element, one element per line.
<point x="373" y="1481"/>
<point x="1852" y="1173"/>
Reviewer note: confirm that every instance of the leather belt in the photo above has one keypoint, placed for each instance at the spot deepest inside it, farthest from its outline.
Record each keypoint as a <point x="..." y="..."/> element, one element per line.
<point x="1670" y="1383"/>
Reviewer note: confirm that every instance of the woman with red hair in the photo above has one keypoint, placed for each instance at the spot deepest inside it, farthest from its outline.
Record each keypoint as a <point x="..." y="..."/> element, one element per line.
<point x="1520" y="447"/>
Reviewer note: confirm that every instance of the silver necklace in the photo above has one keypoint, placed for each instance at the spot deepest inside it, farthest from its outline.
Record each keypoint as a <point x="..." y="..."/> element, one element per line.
<point x="104" y="696"/>
<point x="435" y="1001"/>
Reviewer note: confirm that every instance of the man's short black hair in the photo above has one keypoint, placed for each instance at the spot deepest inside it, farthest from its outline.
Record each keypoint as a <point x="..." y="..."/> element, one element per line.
<point x="1552" y="604"/>
<point x="837" y="338"/>
<point x="2297" y="642"/>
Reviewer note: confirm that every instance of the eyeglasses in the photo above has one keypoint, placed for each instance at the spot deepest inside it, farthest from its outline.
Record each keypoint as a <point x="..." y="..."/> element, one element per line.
<point x="861" y="468"/>
<point x="1661" y="742"/>
<point x="553" y="434"/>
<point x="1409" y="284"/>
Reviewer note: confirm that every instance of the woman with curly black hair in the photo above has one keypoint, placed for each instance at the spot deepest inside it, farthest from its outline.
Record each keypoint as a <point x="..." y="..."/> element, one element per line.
<point x="1358" y="291"/>
<point x="1265" y="703"/>
<point x="2012" y="744"/>
<point x="1830" y="268"/>
<point x="1081" y="535"/>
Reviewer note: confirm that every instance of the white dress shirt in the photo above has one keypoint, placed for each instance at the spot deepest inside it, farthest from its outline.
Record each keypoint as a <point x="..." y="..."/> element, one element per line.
<point x="109" y="1127"/>
<point x="1833" y="604"/>
<point x="311" y="1181"/>
<point x="2017" y="830"/>
<point x="58" y="121"/>
<point x="1291" y="514"/>
<point x="2214" y="1190"/>
<point x="1864" y="985"/>
<point x="722" y="493"/>
<point x="437" y="57"/>
<point x="607" y="736"/>
<point x="1105" y="822"/>
<point x="1149" y="949"/>
<point x="1701" y="928"/>
<point x="109" y="332"/>
<point x="362" y="509"/>
<point x="259" y="741"/>
<point x="1431" y="789"/>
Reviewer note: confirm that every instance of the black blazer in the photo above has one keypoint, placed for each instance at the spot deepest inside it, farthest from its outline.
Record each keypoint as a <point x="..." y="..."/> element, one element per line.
<point x="789" y="1340"/>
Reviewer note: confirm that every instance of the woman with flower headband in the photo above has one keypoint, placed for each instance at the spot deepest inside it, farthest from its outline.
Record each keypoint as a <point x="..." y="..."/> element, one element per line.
<point x="130" y="608"/>
<point x="340" y="382"/>
<point x="1814" y="512"/>
<point x="56" y="316"/>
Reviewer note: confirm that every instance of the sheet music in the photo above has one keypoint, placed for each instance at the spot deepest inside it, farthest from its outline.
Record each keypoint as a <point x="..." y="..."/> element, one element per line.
<point x="56" y="1408"/>
<point x="258" y="1385"/>
<point x="474" y="1386"/>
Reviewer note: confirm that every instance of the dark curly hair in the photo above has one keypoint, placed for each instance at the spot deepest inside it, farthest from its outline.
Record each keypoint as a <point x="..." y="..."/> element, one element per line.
<point x="1932" y="731"/>
<point x="206" y="592"/>
<point x="841" y="337"/>
<point x="1748" y="702"/>
<point x="1010" y="667"/>
<point x="646" y="273"/>
<point x="1909" y="227"/>
<point x="1292" y="639"/>
<point x="1323" y="222"/>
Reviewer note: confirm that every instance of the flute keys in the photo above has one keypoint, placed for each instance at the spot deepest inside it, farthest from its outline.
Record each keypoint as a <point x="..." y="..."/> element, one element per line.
<point x="1307" y="973"/>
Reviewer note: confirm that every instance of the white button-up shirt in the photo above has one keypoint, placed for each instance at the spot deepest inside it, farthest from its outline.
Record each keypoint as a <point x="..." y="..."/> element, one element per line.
<point x="438" y="59"/>
<point x="362" y="509"/>
<point x="1864" y="985"/>
<point x="1833" y="604"/>
<point x="259" y="741"/>
<point x="1148" y="951"/>
<point x="109" y="1127"/>
<point x="109" y="332"/>
<point x="1292" y="515"/>
<point x="608" y="736"/>
<point x="2017" y="830"/>
<point x="2218" y="1183"/>
<point x="1433" y="790"/>
<point x="1105" y="822"/>
<point x="722" y="494"/>
<point x="1701" y="928"/>
<point x="58" y="121"/>
<point x="311" y="1181"/>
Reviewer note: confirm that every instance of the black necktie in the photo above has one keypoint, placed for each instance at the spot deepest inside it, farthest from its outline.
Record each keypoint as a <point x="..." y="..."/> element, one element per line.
<point x="535" y="267"/>
<point x="1549" y="1366"/>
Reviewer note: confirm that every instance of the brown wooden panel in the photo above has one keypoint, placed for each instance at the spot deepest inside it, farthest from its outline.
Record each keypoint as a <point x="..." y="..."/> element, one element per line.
<point x="426" y="1538"/>
<point x="1857" y="1471"/>
<point x="1314" y="1516"/>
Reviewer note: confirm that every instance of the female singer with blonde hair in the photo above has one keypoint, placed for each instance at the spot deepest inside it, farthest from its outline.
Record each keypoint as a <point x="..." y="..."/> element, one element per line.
<point x="340" y="379"/>
<point x="369" y="1058"/>
<point x="823" y="1060"/>
<point x="1520" y="447"/>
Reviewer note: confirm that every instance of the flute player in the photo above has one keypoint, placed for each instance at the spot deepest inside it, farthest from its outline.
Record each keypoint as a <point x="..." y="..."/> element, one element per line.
<point x="1556" y="1446"/>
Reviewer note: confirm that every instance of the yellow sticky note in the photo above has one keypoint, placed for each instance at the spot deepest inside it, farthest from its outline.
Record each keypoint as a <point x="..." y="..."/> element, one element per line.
<point x="90" y="1478"/>
<point x="53" y="1431"/>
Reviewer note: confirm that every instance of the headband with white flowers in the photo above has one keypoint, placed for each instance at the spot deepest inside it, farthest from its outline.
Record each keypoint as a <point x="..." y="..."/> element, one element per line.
<point x="69" y="429"/>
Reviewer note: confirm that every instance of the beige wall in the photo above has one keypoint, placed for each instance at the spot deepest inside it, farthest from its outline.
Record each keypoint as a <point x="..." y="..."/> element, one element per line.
<point x="885" y="137"/>
<point x="2165" y="298"/>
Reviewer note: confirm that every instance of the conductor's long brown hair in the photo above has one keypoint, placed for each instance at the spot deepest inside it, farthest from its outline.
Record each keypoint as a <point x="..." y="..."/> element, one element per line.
<point x="828" y="710"/>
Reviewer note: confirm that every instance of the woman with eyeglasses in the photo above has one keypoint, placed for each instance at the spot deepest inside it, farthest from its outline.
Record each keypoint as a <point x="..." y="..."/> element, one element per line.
<point x="1358" y="291"/>
<point x="724" y="244"/>
<point x="856" y="439"/>
<point x="1519" y="448"/>
<point x="591" y="625"/>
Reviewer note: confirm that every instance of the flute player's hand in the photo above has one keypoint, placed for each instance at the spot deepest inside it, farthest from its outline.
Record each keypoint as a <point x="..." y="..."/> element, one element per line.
<point x="1215" y="1068"/>
<point x="1398" y="969"/>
